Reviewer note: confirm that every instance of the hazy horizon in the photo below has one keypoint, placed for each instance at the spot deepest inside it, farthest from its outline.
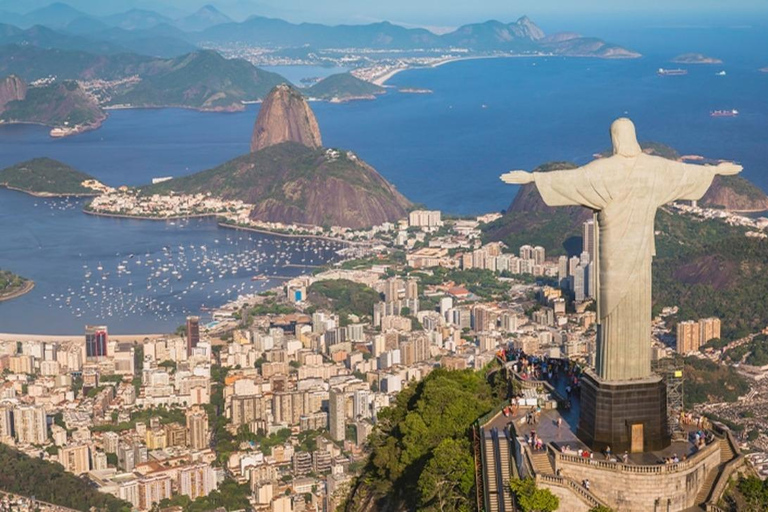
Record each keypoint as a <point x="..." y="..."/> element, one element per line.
<point x="441" y="15"/>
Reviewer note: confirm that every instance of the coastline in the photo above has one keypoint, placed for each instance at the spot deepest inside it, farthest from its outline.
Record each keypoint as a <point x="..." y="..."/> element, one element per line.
<point x="48" y="195"/>
<point x="28" y="287"/>
<point x="382" y="80"/>
<point x="77" y="337"/>
<point x="221" y="224"/>
<point x="285" y="235"/>
<point x="60" y="132"/>
<point x="144" y="217"/>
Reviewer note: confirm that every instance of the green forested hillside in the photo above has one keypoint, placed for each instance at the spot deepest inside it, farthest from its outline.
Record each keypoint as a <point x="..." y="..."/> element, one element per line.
<point x="202" y="79"/>
<point x="57" y="104"/>
<point x="10" y="282"/>
<point x="290" y="182"/>
<point x="45" y="176"/>
<point x="421" y="453"/>
<point x="343" y="86"/>
<point x="49" y="482"/>
<point x="344" y="296"/>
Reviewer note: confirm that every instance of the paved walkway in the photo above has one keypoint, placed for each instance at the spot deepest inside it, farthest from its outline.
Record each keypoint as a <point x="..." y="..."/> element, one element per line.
<point x="564" y="436"/>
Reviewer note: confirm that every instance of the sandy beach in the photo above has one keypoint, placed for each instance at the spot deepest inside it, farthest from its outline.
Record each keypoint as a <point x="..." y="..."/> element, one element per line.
<point x="49" y="338"/>
<point x="380" y="81"/>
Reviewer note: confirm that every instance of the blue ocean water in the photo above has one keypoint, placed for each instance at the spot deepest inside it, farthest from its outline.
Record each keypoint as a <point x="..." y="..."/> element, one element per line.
<point x="445" y="150"/>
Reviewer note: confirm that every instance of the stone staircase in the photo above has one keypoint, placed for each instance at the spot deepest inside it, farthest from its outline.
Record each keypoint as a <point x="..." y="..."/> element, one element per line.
<point x="541" y="463"/>
<point x="726" y="454"/>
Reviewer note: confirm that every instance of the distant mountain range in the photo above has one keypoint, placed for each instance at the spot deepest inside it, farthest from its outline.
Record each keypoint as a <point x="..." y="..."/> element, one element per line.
<point x="146" y="31"/>
<point x="202" y="80"/>
<point x="521" y="36"/>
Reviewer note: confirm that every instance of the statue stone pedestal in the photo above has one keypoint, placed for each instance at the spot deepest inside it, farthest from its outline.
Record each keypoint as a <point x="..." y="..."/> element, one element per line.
<point x="625" y="415"/>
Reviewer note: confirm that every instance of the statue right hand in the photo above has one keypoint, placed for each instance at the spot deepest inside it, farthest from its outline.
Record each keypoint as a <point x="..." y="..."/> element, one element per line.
<point x="517" y="177"/>
<point x="728" y="169"/>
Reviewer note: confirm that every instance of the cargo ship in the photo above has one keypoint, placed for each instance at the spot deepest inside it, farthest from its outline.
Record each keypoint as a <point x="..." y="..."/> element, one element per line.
<point x="671" y="72"/>
<point x="724" y="113"/>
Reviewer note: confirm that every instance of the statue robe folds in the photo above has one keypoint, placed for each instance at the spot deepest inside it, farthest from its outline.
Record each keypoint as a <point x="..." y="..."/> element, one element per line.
<point x="625" y="193"/>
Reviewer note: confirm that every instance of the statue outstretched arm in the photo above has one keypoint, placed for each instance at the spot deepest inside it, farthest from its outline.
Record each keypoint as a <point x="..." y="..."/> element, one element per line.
<point x="683" y="181"/>
<point x="568" y="187"/>
<point x="518" y="177"/>
<point x="728" y="169"/>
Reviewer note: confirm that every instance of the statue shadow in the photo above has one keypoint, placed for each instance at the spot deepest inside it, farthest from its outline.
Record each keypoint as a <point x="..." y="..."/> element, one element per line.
<point x="573" y="245"/>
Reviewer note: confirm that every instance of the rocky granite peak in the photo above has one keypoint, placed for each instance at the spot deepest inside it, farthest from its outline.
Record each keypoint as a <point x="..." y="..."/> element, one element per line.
<point x="525" y="27"/>
<point x="12" y="88"/>
<point x="285" y="116"/>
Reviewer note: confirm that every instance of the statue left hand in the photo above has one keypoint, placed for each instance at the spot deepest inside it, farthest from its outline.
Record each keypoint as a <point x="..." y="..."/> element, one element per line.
<point x="517" y="177"/>
<point x="728" y="169"/>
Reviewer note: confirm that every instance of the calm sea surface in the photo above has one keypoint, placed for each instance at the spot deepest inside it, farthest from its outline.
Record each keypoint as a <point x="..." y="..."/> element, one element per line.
<point x="445" y="150"/>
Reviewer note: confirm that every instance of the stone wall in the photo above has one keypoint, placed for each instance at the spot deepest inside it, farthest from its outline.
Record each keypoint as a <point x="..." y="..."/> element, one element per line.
<point x="643" y="488"/>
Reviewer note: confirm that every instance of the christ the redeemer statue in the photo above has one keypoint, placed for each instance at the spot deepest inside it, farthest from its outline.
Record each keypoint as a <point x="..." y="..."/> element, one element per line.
<point x="624" y="191"/>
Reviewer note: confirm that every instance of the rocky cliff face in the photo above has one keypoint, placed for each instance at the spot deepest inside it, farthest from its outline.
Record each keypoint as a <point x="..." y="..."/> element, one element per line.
<point x="12" y="88"/>
<point x="736" y="194"/>
<point x="285" y="116"/>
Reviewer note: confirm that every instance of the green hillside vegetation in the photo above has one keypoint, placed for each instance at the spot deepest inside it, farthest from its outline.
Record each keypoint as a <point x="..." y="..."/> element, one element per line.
<point x="203" y="79"/>
<point x="10" y="282"/>
<point x="344" y="296"/>
<point x="32" y="63"/>
<point x="343" y="86"/>
<point x="49" y="482"/>
<point x="230" y="495"/>
<point x="754" y="353"/>
<point x="706" y="382"/>
<point x="421" y="454"/>
<point x="529" y="221"/>
<point x="236" y="179"/>
<point x="726" y="278"/>
<point x="290" y="182"/>
<point x="742" y="187"/>
<point x="57" y="104"/>
<point x="45" y="176"/>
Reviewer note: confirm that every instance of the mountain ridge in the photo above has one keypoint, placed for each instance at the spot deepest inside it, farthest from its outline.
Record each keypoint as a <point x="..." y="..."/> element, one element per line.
<point x="292" y="183"/>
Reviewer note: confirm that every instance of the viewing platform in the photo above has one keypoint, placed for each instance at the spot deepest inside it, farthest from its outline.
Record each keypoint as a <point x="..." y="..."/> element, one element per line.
<point x="540" y="441"/>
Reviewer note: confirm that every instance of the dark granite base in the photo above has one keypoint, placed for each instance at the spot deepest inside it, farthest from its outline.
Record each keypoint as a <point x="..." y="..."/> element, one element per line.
<point x="609" y="410"/>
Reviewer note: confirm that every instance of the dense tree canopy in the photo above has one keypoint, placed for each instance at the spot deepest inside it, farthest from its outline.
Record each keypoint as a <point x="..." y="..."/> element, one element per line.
<point x="49" y="482"/>
<point x="421" y="453"/>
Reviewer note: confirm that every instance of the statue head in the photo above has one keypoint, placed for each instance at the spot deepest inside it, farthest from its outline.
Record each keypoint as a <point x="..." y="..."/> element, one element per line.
<point x="624" y="138"/>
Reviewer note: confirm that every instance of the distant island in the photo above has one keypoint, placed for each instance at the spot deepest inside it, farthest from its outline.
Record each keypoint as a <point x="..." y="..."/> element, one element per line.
<point x="12" y="286"/>
<point x="343" y="87"/>
<point x="695" y="58"/>
<point x="45" y="177"/>
<point x="64" y="106"/>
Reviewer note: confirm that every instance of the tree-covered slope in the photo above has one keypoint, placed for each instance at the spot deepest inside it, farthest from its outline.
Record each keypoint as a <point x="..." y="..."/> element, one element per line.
<point x="49" y="482"/>
<point x="45" y="176"/>
<point x="291" y="183"/>
<point x="203" y="80"/>
<point x="343" y="86"/>
<point x="59" y="104"/>
<point x="344" y="296"/>
<point x="10" y="283"/>
<point x="421" y="453"/>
